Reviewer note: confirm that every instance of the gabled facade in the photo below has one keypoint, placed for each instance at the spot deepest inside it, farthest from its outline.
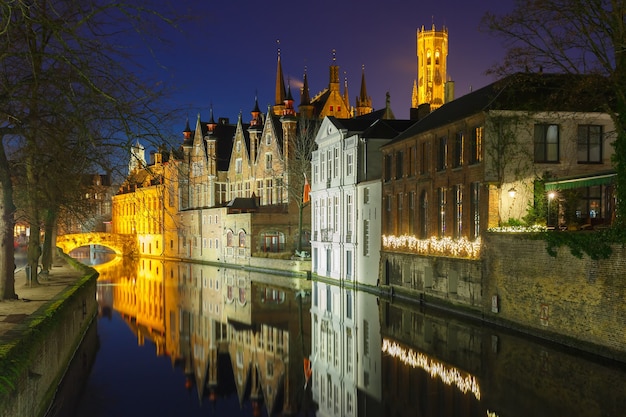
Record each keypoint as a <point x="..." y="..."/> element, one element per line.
<point x="346" y="174"/>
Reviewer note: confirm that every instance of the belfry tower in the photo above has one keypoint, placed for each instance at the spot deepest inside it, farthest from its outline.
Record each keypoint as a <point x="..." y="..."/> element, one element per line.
<point x="433" y="86"/>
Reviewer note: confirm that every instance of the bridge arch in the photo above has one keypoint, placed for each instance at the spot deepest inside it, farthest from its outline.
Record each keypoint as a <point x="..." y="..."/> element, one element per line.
<point x="125" y="245"/>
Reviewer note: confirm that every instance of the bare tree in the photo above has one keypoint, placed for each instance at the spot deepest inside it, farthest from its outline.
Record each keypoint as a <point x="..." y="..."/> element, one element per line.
<point x="574" y="37"/>
<point x="70" y="103"/>
<point x="299" y="167"/>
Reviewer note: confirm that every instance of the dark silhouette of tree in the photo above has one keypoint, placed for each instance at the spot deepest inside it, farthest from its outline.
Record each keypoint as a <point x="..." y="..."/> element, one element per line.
<point x="573" y="37"/>
<point x="70" y="104"/>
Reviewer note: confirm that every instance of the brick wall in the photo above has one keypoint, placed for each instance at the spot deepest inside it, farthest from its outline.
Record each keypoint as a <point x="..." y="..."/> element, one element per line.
<point x="580" y="302"/>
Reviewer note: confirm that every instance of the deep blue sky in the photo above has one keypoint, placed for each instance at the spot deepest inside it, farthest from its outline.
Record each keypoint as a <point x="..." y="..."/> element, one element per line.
<point x="227" y="54"/>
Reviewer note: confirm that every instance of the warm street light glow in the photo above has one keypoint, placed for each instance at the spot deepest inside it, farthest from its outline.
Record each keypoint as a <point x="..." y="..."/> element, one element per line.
<point x="512" y="192"/>
<point x="448" y="374"/>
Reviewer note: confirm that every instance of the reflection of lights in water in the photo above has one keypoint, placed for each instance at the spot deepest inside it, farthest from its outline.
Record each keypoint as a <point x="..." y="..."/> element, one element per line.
<point x="492" y="414"/>
<point x="435" y="246"/>
<point x="448" y="374"/>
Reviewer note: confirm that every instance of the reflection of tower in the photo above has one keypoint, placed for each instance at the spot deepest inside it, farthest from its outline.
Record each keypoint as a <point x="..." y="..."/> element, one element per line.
<point x="433" y="87"/>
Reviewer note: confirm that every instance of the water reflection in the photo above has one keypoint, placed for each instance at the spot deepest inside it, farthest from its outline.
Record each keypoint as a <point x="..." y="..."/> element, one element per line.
<point x="226" y="329"/>
<point x="282" y="346"/>
<point x="434" y="364"/>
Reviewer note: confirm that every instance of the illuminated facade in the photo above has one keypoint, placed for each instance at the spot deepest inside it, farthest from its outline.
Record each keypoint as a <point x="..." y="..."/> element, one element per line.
<point x="345" y="196"/>
<point x="481" y="161"/>
<point x="432" y="86"/>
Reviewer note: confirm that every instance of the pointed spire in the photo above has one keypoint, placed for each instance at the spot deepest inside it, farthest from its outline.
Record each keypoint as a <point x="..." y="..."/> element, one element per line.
<point x="363" y="101"/>
<point x="187" y="131"/>
<point x="211" y="125"/>
<point x="256" y="113"/>
<point x="280" y="80"/>
<point x="305" y="97"/>
<point x="363" y="91"/>
<point x="346" y="97"/>
<point x="288" y="109"/>
<point x="334" y="74"/>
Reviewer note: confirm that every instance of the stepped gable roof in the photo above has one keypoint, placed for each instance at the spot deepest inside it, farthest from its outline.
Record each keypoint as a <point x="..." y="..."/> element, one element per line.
<point x="519" y="92"/>
<point x="278" y="129"/>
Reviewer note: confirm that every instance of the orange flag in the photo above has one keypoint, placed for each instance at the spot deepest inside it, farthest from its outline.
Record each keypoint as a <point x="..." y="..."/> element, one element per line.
<point x="307" y="190"/>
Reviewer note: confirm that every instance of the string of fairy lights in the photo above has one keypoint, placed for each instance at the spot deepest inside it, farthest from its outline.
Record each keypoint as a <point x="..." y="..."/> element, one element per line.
<point x="445" y="246"/>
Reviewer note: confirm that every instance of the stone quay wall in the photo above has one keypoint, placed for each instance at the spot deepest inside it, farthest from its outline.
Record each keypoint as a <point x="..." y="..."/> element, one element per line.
<point x="35" y="363"/>
<point x="580" y="302"/>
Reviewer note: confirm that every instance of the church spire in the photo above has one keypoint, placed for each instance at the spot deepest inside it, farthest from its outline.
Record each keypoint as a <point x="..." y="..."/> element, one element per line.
<point x="280" y="86"/>
<point x="305" y="108"/>
<point x="305" y="97"/>
<point x="346" y="97"/>
<point x="211" y="125"/>
<point x="333" y="83"/>
<point x="363" y="101"/>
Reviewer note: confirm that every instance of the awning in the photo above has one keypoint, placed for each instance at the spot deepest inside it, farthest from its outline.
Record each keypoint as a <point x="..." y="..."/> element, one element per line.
<point x="580" y="182"/>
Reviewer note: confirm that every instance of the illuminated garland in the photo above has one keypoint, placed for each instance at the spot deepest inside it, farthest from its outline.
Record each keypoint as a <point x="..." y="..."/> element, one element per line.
<point x="518" y="229"/>
<point x="446" y="246"/>
<point x="449" y="375"/>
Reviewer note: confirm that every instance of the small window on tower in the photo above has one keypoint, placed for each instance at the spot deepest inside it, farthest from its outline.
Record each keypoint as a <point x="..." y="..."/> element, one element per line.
<point x="338" y="108"/>
<point x="436" y="57"/>
<point x="331" y="108"/>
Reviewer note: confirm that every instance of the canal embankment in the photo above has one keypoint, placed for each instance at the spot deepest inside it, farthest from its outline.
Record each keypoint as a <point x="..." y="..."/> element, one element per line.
<point x="516" y="284"/>
<point x="40" y="334"/>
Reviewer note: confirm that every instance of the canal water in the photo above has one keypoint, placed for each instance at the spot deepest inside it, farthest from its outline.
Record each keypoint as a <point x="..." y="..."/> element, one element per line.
<point x="183" y="339"/>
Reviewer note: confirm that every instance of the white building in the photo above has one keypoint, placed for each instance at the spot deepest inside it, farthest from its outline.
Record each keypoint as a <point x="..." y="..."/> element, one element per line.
<point x="346" y="196"/>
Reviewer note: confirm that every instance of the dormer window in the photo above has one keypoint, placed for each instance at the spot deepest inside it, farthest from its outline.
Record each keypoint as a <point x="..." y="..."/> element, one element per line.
<point x="268" y="139"/>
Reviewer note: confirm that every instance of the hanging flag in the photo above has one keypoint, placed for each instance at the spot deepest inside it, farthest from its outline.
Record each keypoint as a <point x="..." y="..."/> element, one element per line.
<point x="307" y="190"/>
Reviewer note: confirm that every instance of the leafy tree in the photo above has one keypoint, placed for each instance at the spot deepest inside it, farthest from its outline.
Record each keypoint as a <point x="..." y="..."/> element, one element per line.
<point x="574" y="37"/>
<point x="70" y="104"/>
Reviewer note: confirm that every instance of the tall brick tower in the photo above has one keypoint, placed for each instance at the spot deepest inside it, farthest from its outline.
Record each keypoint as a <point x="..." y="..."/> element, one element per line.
<point x="433" y="86"/>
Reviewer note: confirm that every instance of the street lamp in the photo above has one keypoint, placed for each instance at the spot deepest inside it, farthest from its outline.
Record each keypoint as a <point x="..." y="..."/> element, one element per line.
<point x="550" y="198"/>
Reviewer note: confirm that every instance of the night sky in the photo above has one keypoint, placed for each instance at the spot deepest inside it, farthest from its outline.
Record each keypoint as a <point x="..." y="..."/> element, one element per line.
<point x="227" y="54"/>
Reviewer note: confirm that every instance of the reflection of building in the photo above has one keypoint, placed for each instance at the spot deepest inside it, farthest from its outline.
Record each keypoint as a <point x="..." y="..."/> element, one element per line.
<point x="227" y="332"/>
<point x="345" y="196"/>
<point x="484" y="160"/>
<point x="346" y="351"/>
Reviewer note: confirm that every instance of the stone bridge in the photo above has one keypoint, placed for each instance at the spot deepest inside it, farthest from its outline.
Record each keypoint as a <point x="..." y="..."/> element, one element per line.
<point x="125" y="245"/>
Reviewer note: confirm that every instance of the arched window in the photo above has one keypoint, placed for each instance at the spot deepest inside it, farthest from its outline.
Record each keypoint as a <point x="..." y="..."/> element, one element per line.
<point x="436" y="57"/>
<point x="428" y="57"/>
<point x="229" y="238"/>
<point x="242" y="239"/>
